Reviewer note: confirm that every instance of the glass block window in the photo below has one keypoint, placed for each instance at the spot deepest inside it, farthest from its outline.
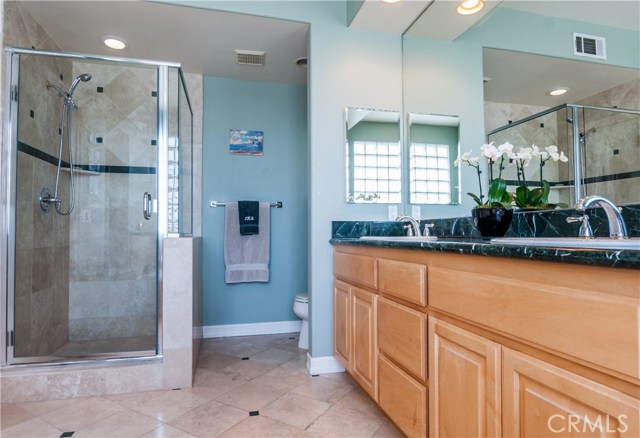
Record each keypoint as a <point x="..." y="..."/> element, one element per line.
<point x="376" y="172"/>
<point x="429" y="174"/>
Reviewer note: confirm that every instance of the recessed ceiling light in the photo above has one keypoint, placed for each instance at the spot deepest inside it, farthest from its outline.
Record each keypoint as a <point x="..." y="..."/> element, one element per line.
<point x="114" y="42"/>
<point x="470" y="7"/>
<point x="301" y="62"/>
<point x="558" y="91"/>
<point x="391" y="1"/>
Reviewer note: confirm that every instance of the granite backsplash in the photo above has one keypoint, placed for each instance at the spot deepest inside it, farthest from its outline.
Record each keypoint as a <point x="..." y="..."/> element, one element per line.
<point x="547" y="223"/>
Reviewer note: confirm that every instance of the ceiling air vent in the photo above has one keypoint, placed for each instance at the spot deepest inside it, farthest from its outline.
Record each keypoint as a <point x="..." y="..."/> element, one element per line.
<point x="249" y="57"/>
<point x="589" y="46"/>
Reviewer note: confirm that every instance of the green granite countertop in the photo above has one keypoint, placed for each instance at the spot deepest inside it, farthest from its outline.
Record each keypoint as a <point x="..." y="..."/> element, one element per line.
<point x="459" y="235"/>
<point x="477" y="246"/>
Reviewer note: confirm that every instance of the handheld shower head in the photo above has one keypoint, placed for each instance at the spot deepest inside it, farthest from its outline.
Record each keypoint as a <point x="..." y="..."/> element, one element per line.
<point x="84" y="77"/>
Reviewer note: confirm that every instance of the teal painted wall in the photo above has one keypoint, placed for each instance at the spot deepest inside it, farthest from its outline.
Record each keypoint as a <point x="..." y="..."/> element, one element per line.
<point x="279" y="175"/>
<point x="347" y="68"/>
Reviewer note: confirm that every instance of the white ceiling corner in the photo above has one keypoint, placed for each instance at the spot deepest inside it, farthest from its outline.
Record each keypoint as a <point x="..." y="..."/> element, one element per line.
<point x="442" y="22"/>
<point x="393" y="18"/>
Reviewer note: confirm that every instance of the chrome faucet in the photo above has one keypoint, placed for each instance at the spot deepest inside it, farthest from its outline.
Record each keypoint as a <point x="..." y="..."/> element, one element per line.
<point x="617" y="227"/>
<point x="413" y="229"/>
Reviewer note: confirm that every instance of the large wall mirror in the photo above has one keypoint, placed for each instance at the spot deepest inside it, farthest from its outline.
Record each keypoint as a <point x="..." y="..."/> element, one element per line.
<point x="373" y="156"/>
<point x="482" y="70"/>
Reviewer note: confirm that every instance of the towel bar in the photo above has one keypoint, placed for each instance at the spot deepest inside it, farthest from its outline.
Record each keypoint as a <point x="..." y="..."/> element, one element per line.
<point x="223" y="204"/>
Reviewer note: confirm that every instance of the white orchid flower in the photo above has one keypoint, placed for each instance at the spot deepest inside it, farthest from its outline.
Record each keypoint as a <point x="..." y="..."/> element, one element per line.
<point x="525" y="154"/>
<point x="553" y="152"/>
<point x="473" y="160"/>
<point x="464" y="158"/>
<point x="563" y="157"/>
<point x="490" y="151"/>
<point x="507" y="150"/>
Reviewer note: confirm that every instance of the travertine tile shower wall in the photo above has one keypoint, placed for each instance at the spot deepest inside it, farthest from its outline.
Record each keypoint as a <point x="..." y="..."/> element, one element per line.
<point x="613" y="142"/>
<point x="612" y="148"/>
<point x="42" y="238"/>
<point x="112" y="247"/>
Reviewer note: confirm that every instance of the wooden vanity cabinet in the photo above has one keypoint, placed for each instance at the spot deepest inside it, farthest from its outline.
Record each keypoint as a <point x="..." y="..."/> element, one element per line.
<point x="473" y="346"/>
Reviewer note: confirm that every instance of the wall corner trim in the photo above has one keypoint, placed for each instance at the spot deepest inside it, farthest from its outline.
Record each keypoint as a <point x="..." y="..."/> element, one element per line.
<point x="261" y="328"/>
<point x="323" y="365"/>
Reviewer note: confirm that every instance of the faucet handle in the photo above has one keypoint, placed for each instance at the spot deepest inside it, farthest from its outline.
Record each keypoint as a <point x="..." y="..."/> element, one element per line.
<point x="409" y="229"/>
<point x="427" y="232"/>
<point x="585" y="227"/>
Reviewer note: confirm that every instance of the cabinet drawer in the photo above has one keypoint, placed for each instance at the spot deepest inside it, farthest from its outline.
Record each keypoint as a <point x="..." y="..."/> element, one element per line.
<point x="402" y="398"/>
<point x="356" y="268"/>
<point x="598" y="328"/>
<point x="403" y="280"/>
<point x="402" y="336"/>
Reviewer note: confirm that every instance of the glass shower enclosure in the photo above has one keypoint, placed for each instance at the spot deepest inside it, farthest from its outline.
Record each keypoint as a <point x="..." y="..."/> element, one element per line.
<point x="602" y="144"/>
<point x="97" y="168"/>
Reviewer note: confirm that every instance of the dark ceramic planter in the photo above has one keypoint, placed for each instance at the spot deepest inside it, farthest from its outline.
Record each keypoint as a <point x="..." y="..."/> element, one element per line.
<point x="492" y="222"/>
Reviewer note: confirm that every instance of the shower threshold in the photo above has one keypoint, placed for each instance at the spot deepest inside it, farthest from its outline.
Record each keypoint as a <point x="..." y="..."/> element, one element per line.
<point x="98" y="346"/>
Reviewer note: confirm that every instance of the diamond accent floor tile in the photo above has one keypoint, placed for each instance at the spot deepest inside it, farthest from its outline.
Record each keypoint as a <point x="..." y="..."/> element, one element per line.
<point x="273" y="382"/>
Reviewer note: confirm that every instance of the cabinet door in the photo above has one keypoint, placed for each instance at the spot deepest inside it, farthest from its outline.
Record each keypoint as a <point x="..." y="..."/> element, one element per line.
<point x="364" y="353"/>
<point x="541" y="399"/>
<point x="341" y="323"/>
<point x="464" y="376"/>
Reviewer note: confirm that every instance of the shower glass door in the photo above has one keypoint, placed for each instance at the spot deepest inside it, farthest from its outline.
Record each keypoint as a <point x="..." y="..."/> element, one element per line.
<point x="86" y="233"/>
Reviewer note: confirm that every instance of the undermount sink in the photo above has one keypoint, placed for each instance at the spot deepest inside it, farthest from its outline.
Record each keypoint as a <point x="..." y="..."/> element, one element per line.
<point x="571" y="242"/>
<point x="401" y="238"/>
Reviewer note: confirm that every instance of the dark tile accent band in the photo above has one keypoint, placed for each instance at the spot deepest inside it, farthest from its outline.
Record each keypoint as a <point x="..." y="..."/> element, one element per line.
<point x="589" y="180"/>
<point x="100" y="168"/>
<point x="37" y="153"/>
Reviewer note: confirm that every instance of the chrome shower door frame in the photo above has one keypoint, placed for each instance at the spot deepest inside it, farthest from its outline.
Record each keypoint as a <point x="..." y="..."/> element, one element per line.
<point x="8" y="184"/>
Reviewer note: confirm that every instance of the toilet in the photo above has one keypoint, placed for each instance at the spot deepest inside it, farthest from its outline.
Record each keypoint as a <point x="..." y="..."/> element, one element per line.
<point x="301" y="309"/>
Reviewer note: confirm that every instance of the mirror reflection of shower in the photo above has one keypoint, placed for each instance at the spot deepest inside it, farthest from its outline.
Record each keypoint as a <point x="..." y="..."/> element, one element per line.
<point x="68" y="105"/>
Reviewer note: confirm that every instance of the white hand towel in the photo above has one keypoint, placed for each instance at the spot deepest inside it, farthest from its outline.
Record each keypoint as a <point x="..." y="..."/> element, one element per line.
<point x="246" y="258"/>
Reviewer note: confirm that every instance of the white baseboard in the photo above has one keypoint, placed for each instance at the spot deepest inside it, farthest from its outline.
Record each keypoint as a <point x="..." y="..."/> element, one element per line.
<point x="261" y="328"/>
<point x="323" y="365"/>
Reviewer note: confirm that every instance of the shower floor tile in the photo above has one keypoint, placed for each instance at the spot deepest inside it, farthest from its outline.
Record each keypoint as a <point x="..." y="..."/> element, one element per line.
<point x="270" y="394"/>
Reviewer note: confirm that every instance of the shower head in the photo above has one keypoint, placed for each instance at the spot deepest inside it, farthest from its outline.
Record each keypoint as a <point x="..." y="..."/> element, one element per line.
<point x="84" y="77"/>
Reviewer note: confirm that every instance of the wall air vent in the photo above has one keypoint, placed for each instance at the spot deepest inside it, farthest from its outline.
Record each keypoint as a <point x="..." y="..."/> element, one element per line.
<point x="589" y="46"/>
<point x="250" y="57"/>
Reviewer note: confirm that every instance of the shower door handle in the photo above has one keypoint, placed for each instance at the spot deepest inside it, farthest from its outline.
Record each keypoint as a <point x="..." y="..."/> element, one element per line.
<point x="146" y="205"/>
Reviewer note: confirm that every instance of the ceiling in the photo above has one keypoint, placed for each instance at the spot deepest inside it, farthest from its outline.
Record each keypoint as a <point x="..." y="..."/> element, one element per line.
<point x="202" y="40"/>
<point x="438" y="19"/>
<point x="523" y="78"/>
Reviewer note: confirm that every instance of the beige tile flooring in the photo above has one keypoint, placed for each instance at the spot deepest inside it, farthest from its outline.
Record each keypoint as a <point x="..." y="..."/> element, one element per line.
<point x="273" y="381"/>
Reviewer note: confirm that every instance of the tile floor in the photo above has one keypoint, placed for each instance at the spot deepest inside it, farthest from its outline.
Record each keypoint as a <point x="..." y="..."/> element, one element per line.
<point x="253" y="386"/>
